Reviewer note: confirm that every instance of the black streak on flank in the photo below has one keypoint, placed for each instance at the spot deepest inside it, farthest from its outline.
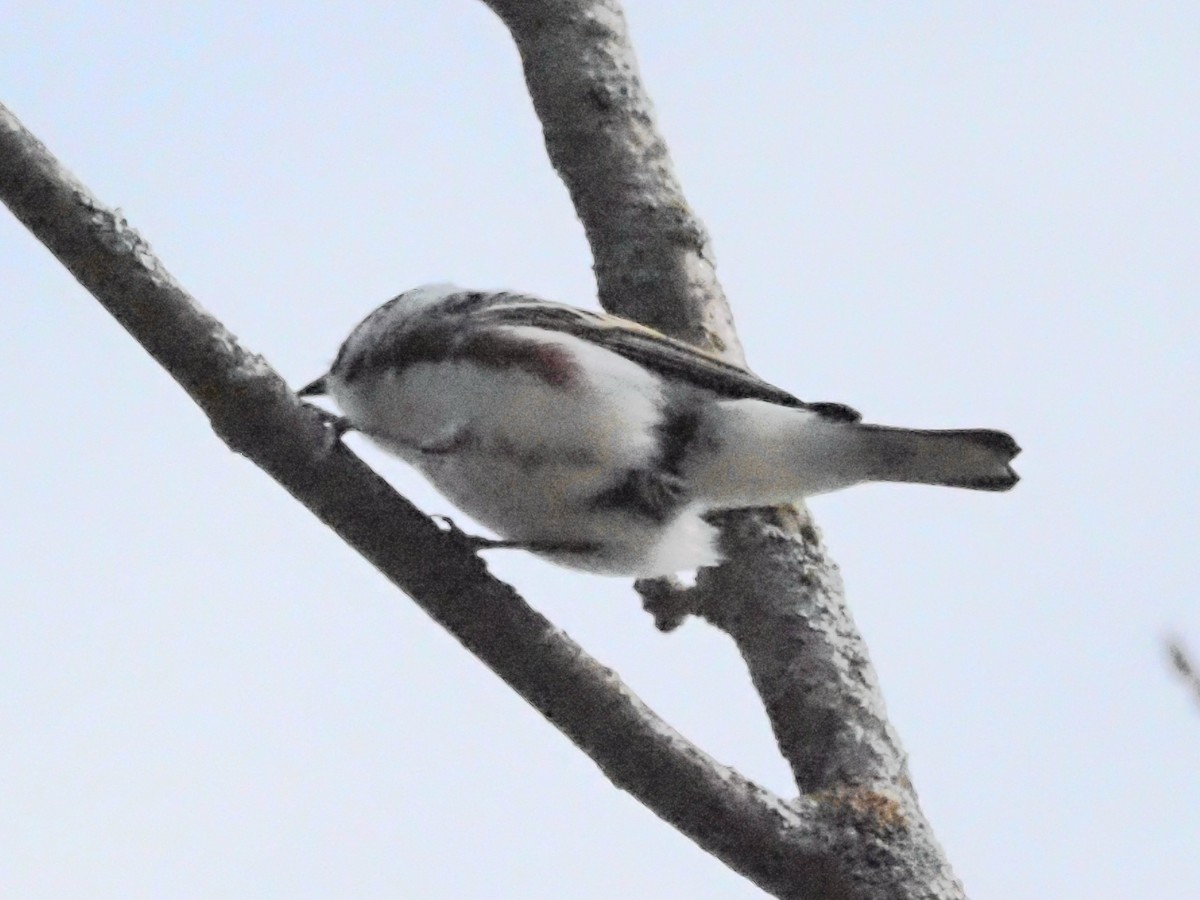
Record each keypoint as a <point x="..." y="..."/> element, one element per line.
<point x="657" y="493"/>
<point x="677" y="432"/>
<point x="652" y="494"/>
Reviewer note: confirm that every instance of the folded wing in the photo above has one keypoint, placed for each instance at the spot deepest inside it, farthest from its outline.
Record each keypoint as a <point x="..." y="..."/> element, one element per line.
<point x="655" y="351"/>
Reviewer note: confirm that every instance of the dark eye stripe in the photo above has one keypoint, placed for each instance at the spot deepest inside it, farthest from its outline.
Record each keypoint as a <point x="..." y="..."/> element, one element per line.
<point x="424" y="336"/>
<point x="444" y="338"/>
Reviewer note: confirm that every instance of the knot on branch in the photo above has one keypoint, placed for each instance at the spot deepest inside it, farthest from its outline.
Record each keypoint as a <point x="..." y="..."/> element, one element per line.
<point x="669" y="601"/>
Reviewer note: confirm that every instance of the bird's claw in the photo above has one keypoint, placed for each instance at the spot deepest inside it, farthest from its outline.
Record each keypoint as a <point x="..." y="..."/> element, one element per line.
<point x="477" y="542"/>
<point x="474" y="541"/>
<point x="336" y="425"/>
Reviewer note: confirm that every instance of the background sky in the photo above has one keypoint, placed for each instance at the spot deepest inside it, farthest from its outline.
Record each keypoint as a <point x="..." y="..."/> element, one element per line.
<point x="946" y="215"/>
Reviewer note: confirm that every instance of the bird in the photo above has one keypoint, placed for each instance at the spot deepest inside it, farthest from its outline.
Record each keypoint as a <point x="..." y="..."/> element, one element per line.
<point x="601" y="444"/>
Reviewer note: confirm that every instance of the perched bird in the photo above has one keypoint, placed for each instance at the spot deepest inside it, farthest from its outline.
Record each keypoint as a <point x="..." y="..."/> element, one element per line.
<point x="600" y="443"/>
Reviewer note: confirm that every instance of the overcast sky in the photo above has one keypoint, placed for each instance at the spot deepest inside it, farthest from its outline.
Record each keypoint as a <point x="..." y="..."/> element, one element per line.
<point x="946" y="215"/>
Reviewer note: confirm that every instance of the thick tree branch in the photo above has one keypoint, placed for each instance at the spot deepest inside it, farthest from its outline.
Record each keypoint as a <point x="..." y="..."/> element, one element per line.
<point x="779" y="595"/>
<point x="652" y="257"/>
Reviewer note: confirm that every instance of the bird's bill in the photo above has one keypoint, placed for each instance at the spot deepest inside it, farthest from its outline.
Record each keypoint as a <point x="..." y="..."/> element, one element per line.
<point x="315" y="388"/>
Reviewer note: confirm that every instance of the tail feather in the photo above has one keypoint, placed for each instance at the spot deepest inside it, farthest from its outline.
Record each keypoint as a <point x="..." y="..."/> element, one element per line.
<point x="975" y="458"/>
<point x="753" y="453"/>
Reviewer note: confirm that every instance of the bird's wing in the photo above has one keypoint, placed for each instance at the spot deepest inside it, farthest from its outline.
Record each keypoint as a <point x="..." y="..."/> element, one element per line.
<point x="651" y="349"/>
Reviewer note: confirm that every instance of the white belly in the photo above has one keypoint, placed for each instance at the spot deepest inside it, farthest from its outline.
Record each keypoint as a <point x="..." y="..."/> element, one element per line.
<point x="527" y="458"/>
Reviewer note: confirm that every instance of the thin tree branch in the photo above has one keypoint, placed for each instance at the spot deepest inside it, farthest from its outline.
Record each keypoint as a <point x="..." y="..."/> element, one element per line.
<point x="779" y="596"/>
<point x="790" y="850"/>
<point x="1181" y="662"/>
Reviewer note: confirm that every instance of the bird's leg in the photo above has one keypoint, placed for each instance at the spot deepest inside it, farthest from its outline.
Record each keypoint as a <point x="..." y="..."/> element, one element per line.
<point x="477" y="542"/>
<point x="337" y="425"/>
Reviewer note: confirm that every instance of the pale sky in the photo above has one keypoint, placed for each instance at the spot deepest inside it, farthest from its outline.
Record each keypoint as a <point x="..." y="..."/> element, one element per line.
<point x="946" y="215"/>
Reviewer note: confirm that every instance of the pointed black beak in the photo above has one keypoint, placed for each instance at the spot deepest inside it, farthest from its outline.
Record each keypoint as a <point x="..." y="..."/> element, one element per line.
<point x="314" y="388"/>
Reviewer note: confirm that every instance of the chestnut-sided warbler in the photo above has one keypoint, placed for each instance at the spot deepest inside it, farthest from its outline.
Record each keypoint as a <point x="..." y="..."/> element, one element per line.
<point x="600" y="443"/>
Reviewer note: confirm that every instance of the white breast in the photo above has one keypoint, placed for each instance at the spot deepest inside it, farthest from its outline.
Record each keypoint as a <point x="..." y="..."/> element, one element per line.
<point x="515" y="452"/>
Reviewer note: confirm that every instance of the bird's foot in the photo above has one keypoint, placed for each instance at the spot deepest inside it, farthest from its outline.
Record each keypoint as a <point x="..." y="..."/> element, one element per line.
<point x="336" y="425"/>
<point x="477" y="542"/>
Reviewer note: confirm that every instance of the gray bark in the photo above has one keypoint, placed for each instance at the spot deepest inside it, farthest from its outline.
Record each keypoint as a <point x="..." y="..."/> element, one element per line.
<point x="779" y="596"/>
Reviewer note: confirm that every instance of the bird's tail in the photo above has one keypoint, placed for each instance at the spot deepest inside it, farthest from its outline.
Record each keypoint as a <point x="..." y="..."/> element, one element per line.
<point x="975" y="458"/>
<point x="760" y="454"/>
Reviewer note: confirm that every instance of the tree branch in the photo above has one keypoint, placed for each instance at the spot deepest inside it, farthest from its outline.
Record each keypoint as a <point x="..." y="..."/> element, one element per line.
<point x="1181" y="662"/>
<point x="652" y="257"/>
<point x="857" y="833"/>
<point x="784" y="848"/>
<point x="779" y="596"/>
